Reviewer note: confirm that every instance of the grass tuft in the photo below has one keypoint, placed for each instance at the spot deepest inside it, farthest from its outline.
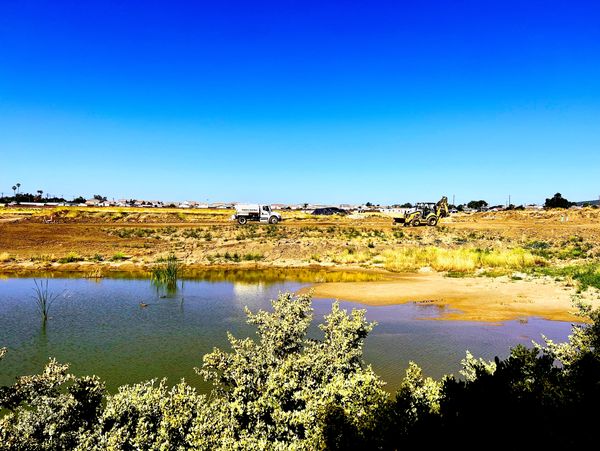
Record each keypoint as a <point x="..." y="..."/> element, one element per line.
<point x="70" y="258"/>
<point x="118" y="257"/>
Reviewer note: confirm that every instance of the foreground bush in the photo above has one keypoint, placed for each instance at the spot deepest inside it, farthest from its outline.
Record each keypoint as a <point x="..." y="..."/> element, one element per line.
<point x="286" y="391"/>
<point x="282" y="391"/>
<point x="51" y="410"/>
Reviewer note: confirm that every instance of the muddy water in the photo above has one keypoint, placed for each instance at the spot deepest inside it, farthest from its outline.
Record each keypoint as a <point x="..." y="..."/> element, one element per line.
<point x="99" y="327"/>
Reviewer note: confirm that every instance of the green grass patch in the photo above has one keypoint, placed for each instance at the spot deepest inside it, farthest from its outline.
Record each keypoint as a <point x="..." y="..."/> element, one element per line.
<point x="71" y="258"/>
<point x="253" y="257"/>
<point x="192" y="233"/>
<point x="458" y="274"/>
<point x="586" y="275"/>
<point x="496" y="272"/>
<point x="541" y="248"/>
<point x="232" y="257"/>
<point x="398" y="234"/>
<point x="119" y="256"/>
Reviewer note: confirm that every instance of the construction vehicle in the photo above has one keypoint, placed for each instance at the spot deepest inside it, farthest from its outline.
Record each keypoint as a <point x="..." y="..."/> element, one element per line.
<point x="255" y="212"/>
<point x="424" y="213"/>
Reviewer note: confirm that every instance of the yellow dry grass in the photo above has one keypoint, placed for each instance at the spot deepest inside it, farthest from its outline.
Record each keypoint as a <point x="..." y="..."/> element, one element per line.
<point x="349" y="257"/>
<point x="458" y="260"/>
<point x="5" y="257"/>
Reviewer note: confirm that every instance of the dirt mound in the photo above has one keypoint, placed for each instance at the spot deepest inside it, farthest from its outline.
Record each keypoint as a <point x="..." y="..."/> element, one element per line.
<point x="556" y="215"/>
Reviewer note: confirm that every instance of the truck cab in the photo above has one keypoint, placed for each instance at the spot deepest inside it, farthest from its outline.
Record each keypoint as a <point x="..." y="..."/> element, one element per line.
<point x="266" y="213"/>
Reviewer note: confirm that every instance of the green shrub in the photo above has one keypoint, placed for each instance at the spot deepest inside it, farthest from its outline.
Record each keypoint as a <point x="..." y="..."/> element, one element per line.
<point x="119" y="256"/>
<point x="71" y="258"/>
<point x="98" y="257"/>
<point x="49" y="411"/>
<point x="253" y="257"/>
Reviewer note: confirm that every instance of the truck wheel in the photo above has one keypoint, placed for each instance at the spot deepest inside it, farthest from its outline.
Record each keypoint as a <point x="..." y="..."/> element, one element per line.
<point x="432" y="221"/>
<point x="415" y="222"/>
<point x="242" y="220"/>
<point x="273" y="220"/>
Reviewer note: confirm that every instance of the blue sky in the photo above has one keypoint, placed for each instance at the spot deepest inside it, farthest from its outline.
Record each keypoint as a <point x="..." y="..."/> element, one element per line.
<point x="299" y="101"/>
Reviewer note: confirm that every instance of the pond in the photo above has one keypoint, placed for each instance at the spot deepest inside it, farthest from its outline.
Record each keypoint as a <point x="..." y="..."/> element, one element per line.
<point x="99" y="327"/>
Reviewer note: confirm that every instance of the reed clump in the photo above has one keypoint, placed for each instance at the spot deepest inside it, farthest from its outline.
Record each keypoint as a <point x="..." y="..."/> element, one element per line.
<point x="43" y="298"/>
<point x="167" y="271"/>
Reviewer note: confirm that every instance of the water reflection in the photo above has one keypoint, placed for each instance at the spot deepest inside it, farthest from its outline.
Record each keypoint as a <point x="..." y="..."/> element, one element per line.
<point x="278" y="275"/>
<point x="266" y="276"/>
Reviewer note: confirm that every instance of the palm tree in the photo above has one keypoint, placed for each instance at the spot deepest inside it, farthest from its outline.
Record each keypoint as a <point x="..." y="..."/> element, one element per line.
<point x="14" y="188"/>
<point x="18" y="186"/>
<point x="40" y="192"/>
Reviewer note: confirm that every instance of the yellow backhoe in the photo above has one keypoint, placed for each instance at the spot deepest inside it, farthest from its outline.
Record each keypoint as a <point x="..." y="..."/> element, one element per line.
<point x="424" y="213"/>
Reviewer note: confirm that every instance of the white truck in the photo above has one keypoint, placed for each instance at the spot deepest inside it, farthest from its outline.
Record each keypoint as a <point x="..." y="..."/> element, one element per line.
<point x="255" y="212"/>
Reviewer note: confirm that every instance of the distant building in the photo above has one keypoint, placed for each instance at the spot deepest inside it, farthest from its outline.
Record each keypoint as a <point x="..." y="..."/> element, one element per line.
<point x="32" y="204"/>
<point x="221" y="205"/>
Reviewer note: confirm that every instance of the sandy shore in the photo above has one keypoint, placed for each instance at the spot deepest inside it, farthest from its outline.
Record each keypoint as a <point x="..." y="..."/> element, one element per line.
<point x="468" y="299"/>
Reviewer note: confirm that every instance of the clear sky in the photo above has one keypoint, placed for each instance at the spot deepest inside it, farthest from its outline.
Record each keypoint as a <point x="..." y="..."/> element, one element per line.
<point x="301" y="101"/>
